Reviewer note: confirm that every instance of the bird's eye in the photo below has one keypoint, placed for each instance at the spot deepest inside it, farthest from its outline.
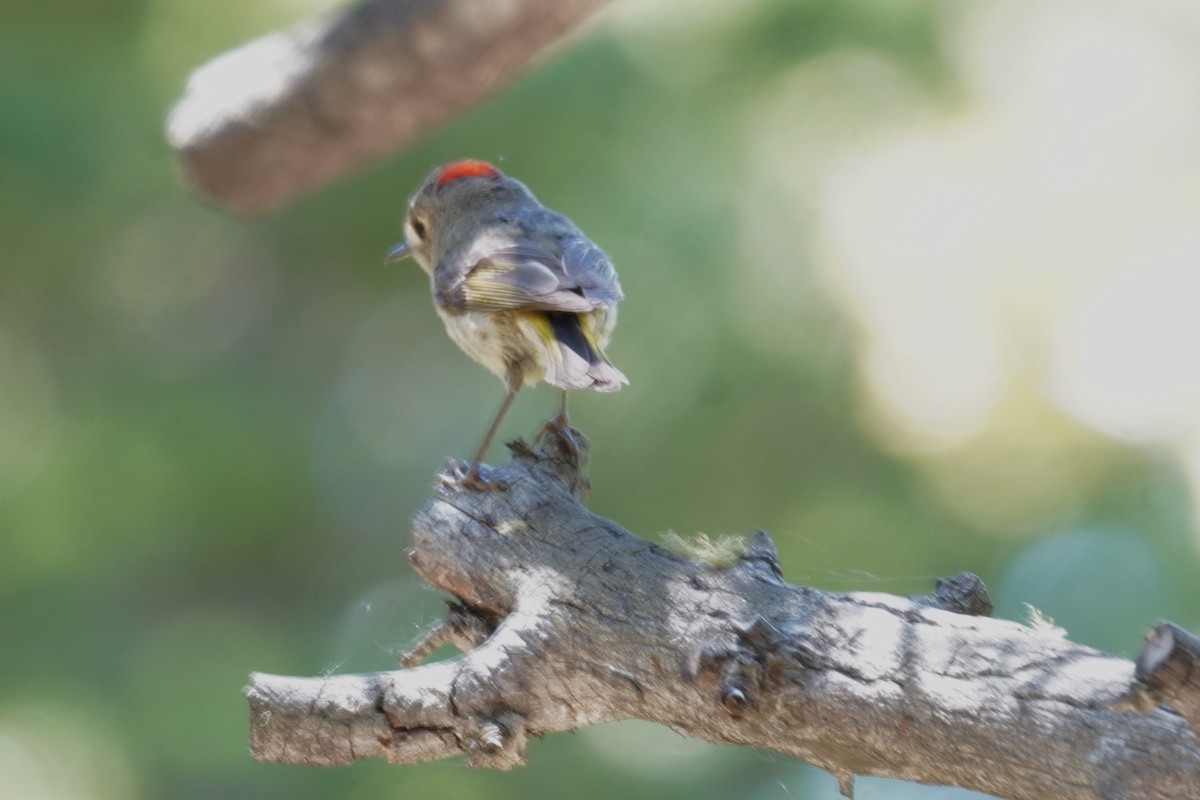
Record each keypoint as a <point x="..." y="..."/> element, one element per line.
<point x="418" y="227"/>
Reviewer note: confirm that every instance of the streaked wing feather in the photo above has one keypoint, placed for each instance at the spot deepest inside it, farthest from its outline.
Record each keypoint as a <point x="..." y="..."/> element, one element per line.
<point x="524" y="276"/>
<point x="484" y="295"/>
<point x="532" y="277"/>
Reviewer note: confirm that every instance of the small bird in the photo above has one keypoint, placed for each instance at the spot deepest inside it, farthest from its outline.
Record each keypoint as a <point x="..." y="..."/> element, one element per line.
<point x="520" y="288"/>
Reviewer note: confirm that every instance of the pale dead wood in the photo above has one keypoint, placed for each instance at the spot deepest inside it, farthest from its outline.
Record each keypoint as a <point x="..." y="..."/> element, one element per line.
<point x="288" y="113"/>
<point x="577" y="622"/>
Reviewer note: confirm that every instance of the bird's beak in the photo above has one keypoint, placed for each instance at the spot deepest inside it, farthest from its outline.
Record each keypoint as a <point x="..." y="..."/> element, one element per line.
<point x="399" y="252"/>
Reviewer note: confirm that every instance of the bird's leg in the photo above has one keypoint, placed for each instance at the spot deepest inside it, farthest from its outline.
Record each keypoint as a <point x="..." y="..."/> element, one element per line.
<point x="472" y="479"/>
<point x="560" y="423"/>
<point x="562" y="419"/>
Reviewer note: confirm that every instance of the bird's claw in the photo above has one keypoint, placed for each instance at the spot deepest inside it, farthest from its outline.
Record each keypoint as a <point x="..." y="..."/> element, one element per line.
<point x="561" y="426"/>
<point x="557" y="424"/>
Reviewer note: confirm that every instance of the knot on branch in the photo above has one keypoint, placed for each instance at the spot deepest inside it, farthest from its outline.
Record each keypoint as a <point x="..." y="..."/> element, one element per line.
<point x="1168" y="671"/>
<point x="741" y="667"/>
<point x="498" y="743"/>
<point x="1170" y="659"/>
<point x="965" y="593"/>
<point x="762" y="556"/>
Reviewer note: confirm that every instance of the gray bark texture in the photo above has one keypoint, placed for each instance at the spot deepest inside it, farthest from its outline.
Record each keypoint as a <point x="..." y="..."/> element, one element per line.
<point x="1169" y="669"/>
<point x="570" y="620"/>
<point x="288" y="113"/>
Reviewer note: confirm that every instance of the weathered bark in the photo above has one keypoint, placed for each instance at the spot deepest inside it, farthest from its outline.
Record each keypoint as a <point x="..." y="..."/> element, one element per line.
<point x="294" y="110"/>
<point x="1169" y="668"/>
<point x="575" y="621"/>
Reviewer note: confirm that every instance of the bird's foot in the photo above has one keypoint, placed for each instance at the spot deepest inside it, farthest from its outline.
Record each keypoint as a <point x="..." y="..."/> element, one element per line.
<point x="568" y="439"/>
<point x="559" y="426"/>
<point x="560" y="423"/>
<point x="462" y="476"/>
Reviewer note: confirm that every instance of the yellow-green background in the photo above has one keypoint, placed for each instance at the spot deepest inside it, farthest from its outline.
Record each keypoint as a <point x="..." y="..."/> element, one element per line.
<point x="907" y="287"/>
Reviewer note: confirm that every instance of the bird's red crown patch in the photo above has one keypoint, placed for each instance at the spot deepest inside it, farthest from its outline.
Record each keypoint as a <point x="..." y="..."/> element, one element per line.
<point x="466" y="168"/>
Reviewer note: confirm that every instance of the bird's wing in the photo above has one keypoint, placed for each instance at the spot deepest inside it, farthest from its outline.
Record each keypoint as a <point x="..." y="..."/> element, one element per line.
<point x="588" y="268"/>
<point x="528" y="276"/>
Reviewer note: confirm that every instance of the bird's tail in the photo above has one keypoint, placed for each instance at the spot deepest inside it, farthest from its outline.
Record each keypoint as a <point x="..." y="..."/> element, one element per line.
<point x="576" y="360"/>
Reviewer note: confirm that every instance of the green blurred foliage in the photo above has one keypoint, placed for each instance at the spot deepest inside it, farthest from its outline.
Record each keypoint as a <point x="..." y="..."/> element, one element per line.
<point x="213" y="432"/>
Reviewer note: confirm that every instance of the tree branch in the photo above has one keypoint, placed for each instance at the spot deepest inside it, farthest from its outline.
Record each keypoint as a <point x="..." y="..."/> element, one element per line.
<point x="1169" y="668"/>
<point x="595" y="624"/>
<point x="294" y="110"/>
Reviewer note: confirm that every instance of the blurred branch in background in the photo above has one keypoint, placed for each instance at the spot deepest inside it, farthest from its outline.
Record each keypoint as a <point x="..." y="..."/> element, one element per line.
<point x="289" y="112"/>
